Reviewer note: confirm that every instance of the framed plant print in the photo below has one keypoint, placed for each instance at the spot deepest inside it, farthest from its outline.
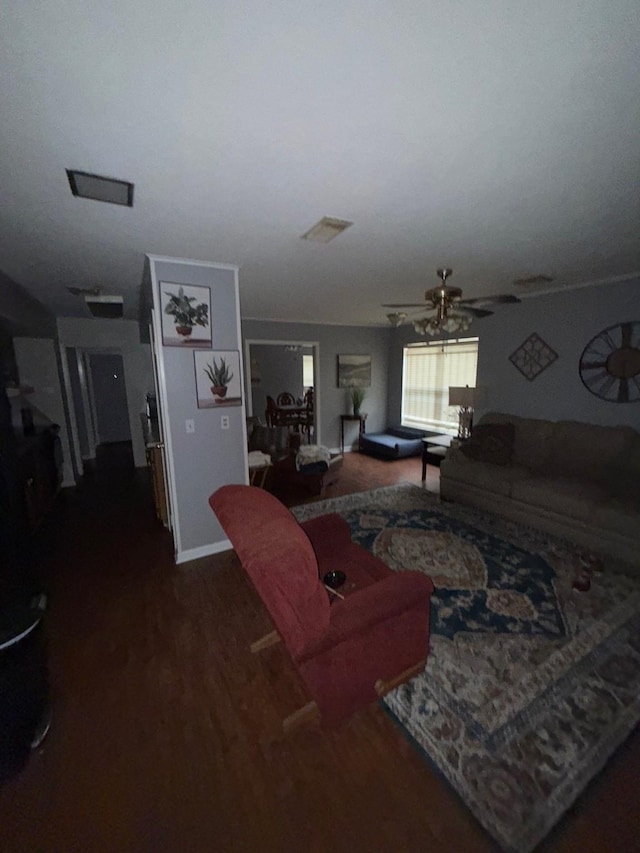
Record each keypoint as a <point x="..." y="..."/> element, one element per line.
<point x="186" y="315"/>
<point x="218" y="378"/>
<point x="354" y="371"/>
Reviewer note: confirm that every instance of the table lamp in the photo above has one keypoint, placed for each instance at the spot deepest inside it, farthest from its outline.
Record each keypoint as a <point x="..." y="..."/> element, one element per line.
<point x="464" y="398"/>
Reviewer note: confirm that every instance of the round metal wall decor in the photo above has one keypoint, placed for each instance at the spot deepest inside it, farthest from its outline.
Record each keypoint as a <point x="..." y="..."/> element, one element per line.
<point x="610" y="363"/>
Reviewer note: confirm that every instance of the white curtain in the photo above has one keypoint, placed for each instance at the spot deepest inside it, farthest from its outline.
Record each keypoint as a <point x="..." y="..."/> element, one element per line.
<point x="428" y="371"/>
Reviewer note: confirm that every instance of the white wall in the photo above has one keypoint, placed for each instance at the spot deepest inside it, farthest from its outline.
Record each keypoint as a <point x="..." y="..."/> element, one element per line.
<point x="333" y="341"/>
<point x="24" y="314"/>
<point x="199" y="462"/>
<point x="38" y="367"/>
<point x="122" y="336"/>
<point x="566" y="321"/>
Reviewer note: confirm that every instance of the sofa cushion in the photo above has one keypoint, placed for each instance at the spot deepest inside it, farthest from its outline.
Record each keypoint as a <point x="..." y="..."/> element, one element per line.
<point x="497" y="479"/>
<point x="405" y="432"/>
<point x="623" y="474"/>
<point x="491" y="443"/>
<point x="586" y="451"/>
<point x="384" y="444"/>
<point x="532" y="439"/>
<point x="573" y="498"/>
<point x="619" y="517"/>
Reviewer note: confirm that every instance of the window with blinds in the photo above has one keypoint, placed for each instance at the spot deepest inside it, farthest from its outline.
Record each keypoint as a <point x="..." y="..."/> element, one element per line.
<point x="428" y="371"/>
<point x="307" y="371"/>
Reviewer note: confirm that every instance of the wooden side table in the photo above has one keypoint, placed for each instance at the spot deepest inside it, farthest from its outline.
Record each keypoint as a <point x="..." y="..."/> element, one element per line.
<point x="361" y="418"/>
<point x="257" y="476"/>
<point x="259" y="464"/>
<point x="434" y="445"/>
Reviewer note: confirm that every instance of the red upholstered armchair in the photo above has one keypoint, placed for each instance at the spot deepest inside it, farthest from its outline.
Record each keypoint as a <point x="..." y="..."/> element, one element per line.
<point x="350" y="650"/>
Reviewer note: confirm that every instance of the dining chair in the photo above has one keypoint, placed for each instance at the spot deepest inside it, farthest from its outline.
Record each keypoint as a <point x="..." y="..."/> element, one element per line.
<point x="271" y="412"/>
<point x="286" y="399"/>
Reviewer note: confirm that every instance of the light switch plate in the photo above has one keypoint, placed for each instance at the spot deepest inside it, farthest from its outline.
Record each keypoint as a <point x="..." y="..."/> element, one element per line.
<point x="190" y="426"/>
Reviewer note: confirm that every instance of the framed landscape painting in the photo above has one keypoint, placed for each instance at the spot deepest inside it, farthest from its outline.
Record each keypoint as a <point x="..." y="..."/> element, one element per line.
<point x="186" y="315"/>
<point x="354" y="371"/>
<point x="218" y="378"/>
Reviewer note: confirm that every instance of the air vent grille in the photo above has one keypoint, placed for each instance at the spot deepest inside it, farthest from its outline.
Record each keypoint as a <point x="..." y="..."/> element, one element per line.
<point x="105" y="307"/>
<point x="326" y="229"/>
<point x="100" y="188"/>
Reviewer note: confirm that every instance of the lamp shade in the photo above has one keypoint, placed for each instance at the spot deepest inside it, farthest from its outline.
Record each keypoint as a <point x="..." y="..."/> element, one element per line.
<point x="461" y="396"/>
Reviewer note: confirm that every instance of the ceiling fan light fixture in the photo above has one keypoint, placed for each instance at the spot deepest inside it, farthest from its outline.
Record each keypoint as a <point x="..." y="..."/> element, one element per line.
<point x="326" y="229"/>
<point x="451" y="313"/>
<point x="397" y="318"/>
<point x="452" y="324"/>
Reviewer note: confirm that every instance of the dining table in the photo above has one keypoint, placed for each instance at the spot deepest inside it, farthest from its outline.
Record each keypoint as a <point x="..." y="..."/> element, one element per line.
<point x="294" y="415"/>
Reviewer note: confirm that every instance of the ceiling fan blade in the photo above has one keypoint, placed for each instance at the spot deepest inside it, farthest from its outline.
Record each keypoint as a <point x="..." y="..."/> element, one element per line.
<point x="424" y="305"/>
<point x="499" y="299"/>
<point x="475" y="312"/>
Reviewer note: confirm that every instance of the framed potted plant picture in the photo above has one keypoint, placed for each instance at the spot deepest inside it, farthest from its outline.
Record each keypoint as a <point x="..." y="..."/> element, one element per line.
<point x="218" y="378"/>
<point x="186" y="315"/>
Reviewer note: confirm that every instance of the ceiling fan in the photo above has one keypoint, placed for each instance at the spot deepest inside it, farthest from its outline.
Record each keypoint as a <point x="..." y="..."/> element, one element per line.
<point x="453" y="314"/>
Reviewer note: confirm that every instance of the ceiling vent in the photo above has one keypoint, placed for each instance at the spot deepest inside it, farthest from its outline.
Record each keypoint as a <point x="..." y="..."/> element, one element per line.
<point x="99" y="188"/>
<point x="325" y="230"/>
<point x="105" y="307"/>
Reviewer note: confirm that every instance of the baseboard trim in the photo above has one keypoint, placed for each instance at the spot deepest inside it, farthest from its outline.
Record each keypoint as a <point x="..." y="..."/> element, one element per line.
<point x="203" y="551"/>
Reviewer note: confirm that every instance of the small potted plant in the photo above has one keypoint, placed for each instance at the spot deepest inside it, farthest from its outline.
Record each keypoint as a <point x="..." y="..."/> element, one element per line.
<point x="220" y="376"/>
<point x="357" y="396"/>
<point x="185" y="315"/>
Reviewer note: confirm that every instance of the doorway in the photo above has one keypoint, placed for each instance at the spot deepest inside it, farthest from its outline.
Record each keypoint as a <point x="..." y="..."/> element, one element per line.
<point x="96" y="385"/>
<point x="273" y="367"/>
<point x="109" y="398"/>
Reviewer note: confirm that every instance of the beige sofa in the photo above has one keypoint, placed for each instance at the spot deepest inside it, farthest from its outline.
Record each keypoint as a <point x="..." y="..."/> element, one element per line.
<point x="576" y="480"/>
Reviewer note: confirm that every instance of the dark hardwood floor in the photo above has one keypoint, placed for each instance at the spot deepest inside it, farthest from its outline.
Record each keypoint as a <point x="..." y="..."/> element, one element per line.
<point x="166" y="729"/>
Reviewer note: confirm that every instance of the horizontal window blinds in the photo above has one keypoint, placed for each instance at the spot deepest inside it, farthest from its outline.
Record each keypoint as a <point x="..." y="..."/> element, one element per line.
<point x="307" y="371"/>
<point x="428" y="371"/>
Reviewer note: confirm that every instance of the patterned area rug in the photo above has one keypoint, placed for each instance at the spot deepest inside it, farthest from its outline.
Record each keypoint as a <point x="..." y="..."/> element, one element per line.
<point x="530" y="685"/>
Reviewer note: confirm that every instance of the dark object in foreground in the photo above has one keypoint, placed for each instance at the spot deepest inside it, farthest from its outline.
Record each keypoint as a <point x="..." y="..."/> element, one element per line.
<point x="24" y="686"/>
<point x="334" y="579"/>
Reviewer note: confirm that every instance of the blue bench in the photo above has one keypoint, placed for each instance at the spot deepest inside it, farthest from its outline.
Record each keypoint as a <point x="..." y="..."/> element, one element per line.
<point x="396" y="442"/>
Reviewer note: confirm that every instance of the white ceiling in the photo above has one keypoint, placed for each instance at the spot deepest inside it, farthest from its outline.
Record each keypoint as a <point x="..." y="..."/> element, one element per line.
<point x="500" y="138"/>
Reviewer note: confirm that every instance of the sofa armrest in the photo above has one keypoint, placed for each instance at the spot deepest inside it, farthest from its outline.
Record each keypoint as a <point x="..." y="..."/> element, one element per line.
<point x="361" y="612"/>
<point x="455" y="455"/>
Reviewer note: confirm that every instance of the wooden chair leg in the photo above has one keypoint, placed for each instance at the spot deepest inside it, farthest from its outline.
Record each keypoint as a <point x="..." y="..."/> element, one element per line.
<point x="270" y="639"/>
<point x="306" y="714"/>
<point x="383" y="687"/>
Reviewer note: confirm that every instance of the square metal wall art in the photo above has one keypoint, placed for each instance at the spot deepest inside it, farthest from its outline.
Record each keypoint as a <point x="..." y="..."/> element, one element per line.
<point x="533" y="356"/>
